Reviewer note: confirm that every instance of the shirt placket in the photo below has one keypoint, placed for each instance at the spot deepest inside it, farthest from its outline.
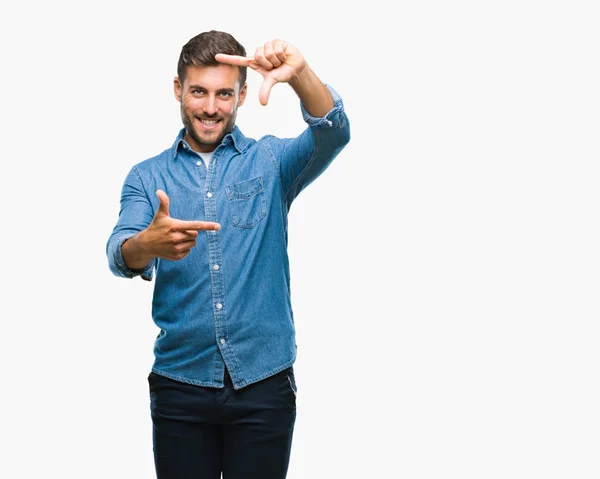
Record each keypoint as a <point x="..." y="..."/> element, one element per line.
<point x="215" y="259"/>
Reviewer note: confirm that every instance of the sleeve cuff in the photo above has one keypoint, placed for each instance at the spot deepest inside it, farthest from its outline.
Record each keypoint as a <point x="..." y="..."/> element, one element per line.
<point x="333" y="118"/>
<point x="119" y="267"/>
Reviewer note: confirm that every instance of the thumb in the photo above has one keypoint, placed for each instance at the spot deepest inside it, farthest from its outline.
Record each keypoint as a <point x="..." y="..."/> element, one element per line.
<point x="265" y="90"/>
<point x="163" y="207"/>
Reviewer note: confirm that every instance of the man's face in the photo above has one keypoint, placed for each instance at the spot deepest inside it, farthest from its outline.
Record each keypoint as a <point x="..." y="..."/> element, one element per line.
<point x="210" y="97"/>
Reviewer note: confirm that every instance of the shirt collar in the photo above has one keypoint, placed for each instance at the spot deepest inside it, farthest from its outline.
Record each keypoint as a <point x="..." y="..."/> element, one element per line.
<point x="235" y="138"/>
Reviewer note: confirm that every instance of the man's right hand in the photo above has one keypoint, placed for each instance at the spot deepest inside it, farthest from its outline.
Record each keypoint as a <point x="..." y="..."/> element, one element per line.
<point x="165" y="237"/>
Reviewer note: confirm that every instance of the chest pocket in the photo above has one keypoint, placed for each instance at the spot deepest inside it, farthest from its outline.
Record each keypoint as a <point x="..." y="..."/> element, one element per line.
<point x="247" y="202"/>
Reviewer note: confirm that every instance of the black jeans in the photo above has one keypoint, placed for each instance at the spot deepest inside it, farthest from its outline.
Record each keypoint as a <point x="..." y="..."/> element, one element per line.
<point x="199" y="432"/>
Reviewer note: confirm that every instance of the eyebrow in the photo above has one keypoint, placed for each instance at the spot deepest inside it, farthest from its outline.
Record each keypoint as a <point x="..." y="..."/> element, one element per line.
<point x="221" y="90"/>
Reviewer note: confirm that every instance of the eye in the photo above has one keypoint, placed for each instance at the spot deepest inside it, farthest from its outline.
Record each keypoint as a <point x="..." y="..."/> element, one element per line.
<point x="225" y="94"/>
<point x="197" y="91"/>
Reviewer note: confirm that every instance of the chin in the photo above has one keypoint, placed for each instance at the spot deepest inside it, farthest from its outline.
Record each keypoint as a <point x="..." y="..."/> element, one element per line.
<point x="210" y="137"/>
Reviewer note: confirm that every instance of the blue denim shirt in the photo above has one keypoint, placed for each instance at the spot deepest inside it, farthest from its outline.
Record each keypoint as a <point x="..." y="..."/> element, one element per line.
<point x="228" y="301"/>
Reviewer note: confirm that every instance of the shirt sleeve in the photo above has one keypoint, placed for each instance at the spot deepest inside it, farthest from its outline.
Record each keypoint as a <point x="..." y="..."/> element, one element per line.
<point x="135" y="215"/>
<point x="302" y="159"/>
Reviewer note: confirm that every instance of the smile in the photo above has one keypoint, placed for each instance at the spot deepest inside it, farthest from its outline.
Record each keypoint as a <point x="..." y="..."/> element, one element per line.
<point x="208" y="124"/>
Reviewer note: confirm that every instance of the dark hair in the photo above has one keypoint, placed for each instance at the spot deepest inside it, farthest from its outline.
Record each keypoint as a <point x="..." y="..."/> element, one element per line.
<point x="201" y="51"/>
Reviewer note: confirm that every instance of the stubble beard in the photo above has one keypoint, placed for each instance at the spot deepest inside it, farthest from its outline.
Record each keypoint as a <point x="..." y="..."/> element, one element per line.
<point x="188" y="123"/>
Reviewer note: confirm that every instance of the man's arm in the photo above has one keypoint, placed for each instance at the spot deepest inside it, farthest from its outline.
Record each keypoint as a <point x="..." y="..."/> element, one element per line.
<point x="313" y="94"/>
<point x="165" y="237"/>
<point x="304" y="158"/>
<point x="139" y="238"/>
<point x="281" y="62"/>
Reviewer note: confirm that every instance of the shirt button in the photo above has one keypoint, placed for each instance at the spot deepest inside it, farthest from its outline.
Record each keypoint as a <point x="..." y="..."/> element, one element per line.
<point x="199" y="163"/>
<point x="216" y="267"/>
<point x="209" y="194"/>
<point x="222" y="341"/>
<point x="219" y="305"/>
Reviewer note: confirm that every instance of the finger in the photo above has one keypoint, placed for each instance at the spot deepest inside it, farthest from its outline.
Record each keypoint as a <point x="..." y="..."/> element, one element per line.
<point x="183" y="254"/>
<point x="271" y="55"/>
<point x="278" y="44"/>
<point x="261" y="59"/>
<point x="183" y="236"/>
<point x="186" y="245"/>
<point x="279" y="49"/>
<point x="163" y="207"/>
<point x="195" y="225"/>
<point x="265" y="90"/>
<point x="178" y="255"/>
<point x="235" y="60"/>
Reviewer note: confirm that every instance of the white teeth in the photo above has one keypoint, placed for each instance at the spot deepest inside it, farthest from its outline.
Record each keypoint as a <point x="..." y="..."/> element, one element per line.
<point x="209" y="122"/>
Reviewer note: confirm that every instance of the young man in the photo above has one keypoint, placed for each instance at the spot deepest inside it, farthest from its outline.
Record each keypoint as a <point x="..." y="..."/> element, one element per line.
<point x="207" y="218"/>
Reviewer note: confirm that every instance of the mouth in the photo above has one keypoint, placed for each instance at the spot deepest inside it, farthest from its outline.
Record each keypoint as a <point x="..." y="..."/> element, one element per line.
<point x="208" y="124"/>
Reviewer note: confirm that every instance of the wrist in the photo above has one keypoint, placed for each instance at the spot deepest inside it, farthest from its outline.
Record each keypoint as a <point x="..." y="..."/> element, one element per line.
<point x="135" y="252"/>
<point x="301" y="78"/>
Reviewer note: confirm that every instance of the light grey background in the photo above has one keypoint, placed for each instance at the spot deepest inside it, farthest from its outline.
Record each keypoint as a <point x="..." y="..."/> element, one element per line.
<point x="445" y="268"/>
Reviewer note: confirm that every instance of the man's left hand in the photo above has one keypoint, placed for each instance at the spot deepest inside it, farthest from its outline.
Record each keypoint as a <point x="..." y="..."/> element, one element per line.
<point x="277" y="61"/>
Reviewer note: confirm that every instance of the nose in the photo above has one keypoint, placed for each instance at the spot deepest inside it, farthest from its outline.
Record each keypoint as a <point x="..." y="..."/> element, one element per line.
<point x="210" y="105"/>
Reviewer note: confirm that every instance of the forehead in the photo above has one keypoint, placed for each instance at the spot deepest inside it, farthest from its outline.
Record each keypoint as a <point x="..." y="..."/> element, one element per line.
<point x="212" y="77"/>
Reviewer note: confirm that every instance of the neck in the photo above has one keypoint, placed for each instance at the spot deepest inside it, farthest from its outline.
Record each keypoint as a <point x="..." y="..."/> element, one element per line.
<point x="198" y="147"/>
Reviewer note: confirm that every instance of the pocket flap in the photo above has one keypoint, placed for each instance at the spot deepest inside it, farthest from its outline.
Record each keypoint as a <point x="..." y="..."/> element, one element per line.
<point x="244" y="189"/>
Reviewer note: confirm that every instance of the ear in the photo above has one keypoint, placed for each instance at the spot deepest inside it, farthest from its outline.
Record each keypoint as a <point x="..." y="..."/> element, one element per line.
<point x="243" y="92"/>
<point x="177" y="87"/>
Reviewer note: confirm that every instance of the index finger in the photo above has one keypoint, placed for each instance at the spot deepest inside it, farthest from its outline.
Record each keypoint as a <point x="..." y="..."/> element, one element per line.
<point x="235" y="60"/>
<point x="196" y="225"/>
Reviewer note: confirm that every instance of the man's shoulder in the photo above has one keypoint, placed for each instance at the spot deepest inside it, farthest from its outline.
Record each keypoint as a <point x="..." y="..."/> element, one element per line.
<point x="156" y="161"/>
<point x="160" y="159"/>
<point x="265" y="145"/>
<point x="267" y="139"/>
